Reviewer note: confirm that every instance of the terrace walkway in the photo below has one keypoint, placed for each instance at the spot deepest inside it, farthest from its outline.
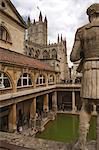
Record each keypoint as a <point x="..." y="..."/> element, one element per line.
<point x="27" y="142"/>
<point x="10" y="98"/>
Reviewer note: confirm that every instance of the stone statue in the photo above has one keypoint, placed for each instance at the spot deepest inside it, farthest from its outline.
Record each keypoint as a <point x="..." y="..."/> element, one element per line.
<point x="86" y="49"/>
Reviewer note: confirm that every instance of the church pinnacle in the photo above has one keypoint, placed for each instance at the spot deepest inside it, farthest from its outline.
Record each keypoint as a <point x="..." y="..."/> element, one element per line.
<point x="28" y="21"/>
<point x="40" y="16"/>
<point x="45" y="19"/>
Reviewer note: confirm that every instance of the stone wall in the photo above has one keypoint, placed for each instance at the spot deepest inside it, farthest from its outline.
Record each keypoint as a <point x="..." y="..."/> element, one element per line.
<point x="58" y="61"/>
<point x="16" y="33"/>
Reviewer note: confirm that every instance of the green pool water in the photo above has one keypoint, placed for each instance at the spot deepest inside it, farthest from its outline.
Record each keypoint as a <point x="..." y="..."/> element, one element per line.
<point x="65" y="129"/>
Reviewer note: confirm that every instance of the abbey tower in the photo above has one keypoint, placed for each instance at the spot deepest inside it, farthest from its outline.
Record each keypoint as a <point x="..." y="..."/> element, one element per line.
<point x="37" y="31"/>
<point x="37" y="46"/>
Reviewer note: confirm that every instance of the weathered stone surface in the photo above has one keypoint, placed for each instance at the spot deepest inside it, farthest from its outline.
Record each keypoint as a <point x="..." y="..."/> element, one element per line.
<point x="86" y="49"/>
<point x="15" y="29"/>
<point x="37" y="144"/>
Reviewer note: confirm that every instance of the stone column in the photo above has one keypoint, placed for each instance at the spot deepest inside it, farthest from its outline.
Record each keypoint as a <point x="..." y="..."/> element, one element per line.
<point x="97" y="139"/>
<point x="14" y="87"/>
<point x="73" y="102"/>
<point x="33" y="109"/>
<point x="45" y="107"/>
<point x="46" y="81"/>
<point x="54" y="101"/>
<point x="34" y="80"/>
<point x="12" y="118"/>
<point x="32" y="122"/>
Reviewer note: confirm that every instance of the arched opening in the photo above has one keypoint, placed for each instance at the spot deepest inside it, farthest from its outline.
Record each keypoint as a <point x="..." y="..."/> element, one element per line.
<point x="37" y="53"/>
<point x="39" y="105"/>
<point x="46" y="55"/>
<point x="40" y="79"/>
<point x="31" y="52"/>
<point x="4" y="111"/>
<point x="24" y="80"/>
<point x="4" y="81"/>
<point x="3" y="4"/>
<point x="54" y="54"/>
<point x="4" y="35"/>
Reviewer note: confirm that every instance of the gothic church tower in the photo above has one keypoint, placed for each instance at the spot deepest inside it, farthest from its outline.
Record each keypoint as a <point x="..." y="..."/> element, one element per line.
<point x="36" y="46"/>
<point x="37" y="31"/>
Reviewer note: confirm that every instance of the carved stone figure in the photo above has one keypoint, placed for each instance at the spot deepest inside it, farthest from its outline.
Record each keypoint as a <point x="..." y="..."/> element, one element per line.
<point x="86" y="49"/>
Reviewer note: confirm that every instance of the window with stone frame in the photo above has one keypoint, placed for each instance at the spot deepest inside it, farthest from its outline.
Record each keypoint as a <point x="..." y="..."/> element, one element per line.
<point x="37" y="53"/>
<point x="51" y="79"/>
<point x="40" y="79"/>
<point x="54" y="54"/>
<point x="46" y="55"/>
<point x="4" y="35"/>
<point x="3" y="5"/>
<point x="4" y="81"/>
<point x="24" y="80"/>
<point x="31" y="52"/>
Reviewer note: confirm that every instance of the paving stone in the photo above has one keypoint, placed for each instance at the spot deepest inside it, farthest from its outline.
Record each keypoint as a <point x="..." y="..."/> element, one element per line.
<point x="37" y="144"/>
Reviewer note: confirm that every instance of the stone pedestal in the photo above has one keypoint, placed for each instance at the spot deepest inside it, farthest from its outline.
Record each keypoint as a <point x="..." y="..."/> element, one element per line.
<point x="12" y="118"/>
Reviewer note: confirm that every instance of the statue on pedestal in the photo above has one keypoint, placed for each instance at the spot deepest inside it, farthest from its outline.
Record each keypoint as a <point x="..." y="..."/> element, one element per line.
<point x="86" y="49"/>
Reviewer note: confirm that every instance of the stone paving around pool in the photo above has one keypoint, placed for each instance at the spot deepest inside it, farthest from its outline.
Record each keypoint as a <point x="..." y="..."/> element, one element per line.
<point x="38" y="144"/>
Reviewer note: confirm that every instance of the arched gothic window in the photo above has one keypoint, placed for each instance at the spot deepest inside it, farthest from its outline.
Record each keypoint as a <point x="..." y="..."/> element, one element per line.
<point x="4" y="35"/>
<point x="24" y="80"/>
<point x="37" y="53"/>
<point x="40" y="79"/>
<point x="54" y="54"/>
<point x="4" y="81"/>
<point x="3" y="5"/>
<point x="46" y="55"/>
<point x="31" y="52"/>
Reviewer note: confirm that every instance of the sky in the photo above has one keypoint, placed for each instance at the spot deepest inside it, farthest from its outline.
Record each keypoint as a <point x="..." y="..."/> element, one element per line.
<point x="64" y="16"/>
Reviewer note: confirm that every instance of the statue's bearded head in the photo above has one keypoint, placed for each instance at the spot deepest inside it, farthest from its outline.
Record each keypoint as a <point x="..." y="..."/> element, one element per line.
<point x="93" y="12"/>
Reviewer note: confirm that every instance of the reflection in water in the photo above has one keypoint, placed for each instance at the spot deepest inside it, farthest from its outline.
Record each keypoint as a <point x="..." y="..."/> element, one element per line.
<point x="74" y="125"/>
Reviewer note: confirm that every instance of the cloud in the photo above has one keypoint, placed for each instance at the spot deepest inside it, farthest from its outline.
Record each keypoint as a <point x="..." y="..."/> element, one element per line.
<point x="64" y="16"/>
